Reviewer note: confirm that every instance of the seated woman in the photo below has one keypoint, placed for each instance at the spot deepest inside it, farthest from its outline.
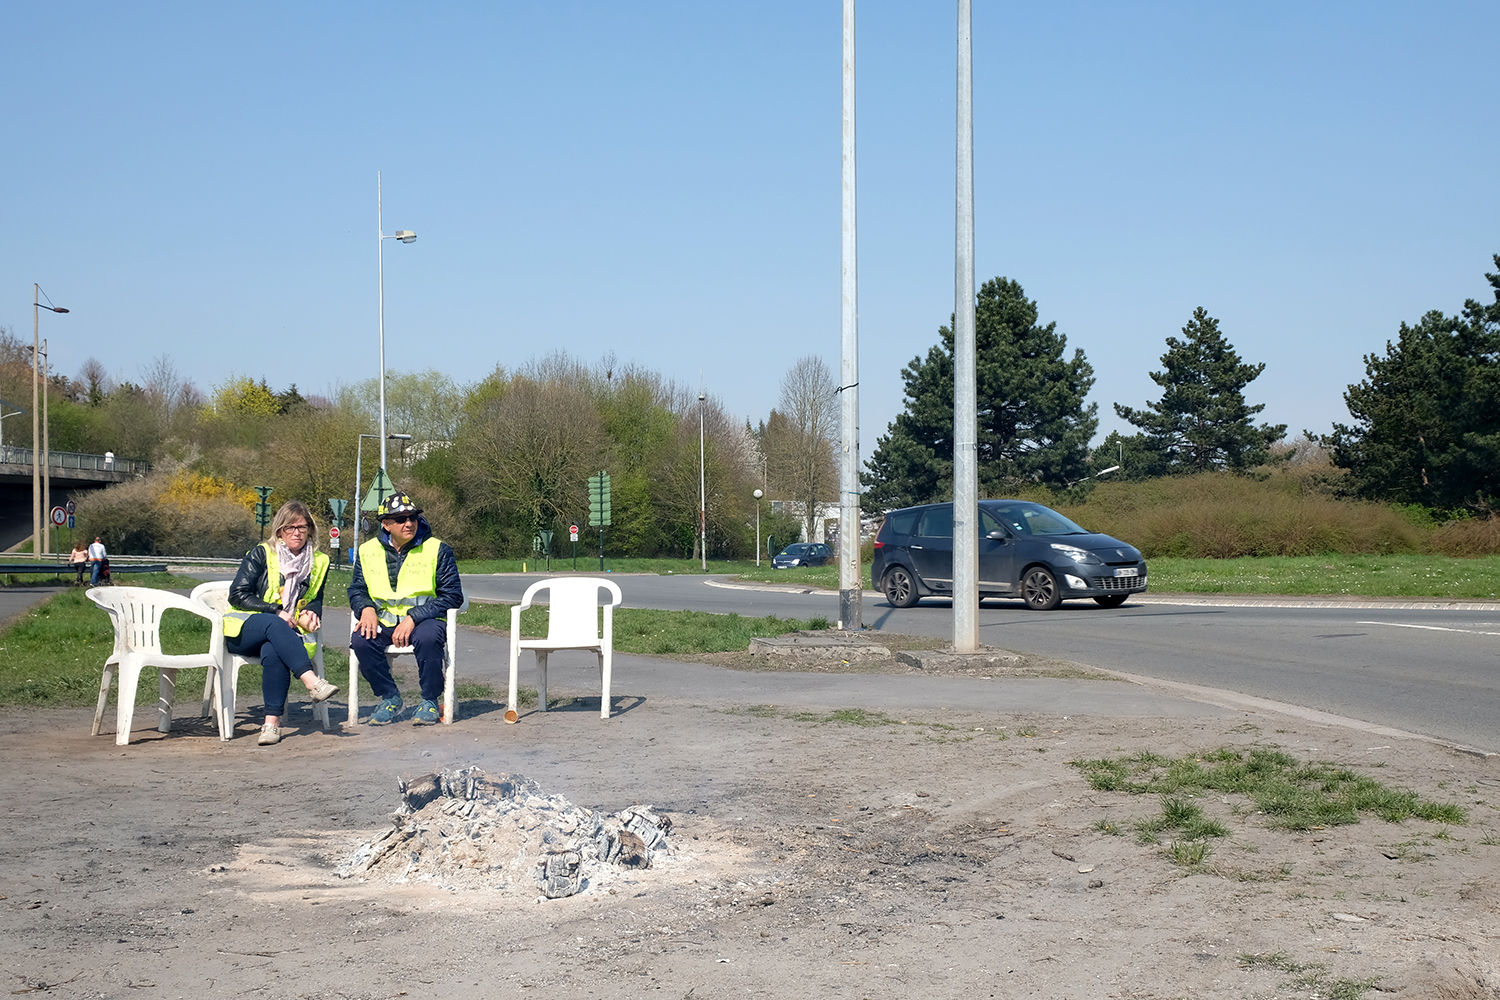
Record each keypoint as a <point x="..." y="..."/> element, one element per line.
<point x="78" y="559"/>
<point x="276" y="600"/>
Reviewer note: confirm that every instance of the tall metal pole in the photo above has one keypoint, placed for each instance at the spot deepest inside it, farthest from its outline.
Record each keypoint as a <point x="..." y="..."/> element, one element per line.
<point x="850" y="584"/>
<point x="702" y="490"/>
<point x="965" y="410"/>
<point x="359" y="444"/>
<point x="36" y="430"/>
<point x="46" y="456"/>
<point x="380" y="264"/>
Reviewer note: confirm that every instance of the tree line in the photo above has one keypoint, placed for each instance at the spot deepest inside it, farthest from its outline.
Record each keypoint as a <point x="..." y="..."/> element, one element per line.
<point x="496" y="460"/>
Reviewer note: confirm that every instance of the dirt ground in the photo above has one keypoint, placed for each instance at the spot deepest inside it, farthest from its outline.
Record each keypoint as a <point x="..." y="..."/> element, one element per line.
<point x="954" y="855"/>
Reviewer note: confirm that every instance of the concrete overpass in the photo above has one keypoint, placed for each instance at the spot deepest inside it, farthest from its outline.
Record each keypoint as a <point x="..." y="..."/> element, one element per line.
<point x="73" y="473"/>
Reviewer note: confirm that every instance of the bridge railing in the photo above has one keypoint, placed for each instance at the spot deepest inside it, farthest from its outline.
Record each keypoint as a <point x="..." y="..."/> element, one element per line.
<point x="76" y="460"/>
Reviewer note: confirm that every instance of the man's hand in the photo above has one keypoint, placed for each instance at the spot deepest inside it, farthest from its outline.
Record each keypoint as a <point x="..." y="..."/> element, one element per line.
<point x="369" y="624"/>
<point x="402" y="635"/>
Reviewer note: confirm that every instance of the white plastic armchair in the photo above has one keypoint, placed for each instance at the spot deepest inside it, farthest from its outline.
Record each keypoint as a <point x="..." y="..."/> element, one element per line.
<point x="215" y="597"/>
<point x="573" y="623"/>
<point x="450" y="665"/>
<point x="136" y="615"/>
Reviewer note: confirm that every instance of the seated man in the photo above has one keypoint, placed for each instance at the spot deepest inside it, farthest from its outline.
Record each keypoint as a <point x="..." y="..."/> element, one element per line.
<point x="405" y="581"/>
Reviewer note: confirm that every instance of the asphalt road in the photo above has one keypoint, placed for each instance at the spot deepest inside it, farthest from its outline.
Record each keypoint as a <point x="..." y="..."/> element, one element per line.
<point x="1425" y="671"/>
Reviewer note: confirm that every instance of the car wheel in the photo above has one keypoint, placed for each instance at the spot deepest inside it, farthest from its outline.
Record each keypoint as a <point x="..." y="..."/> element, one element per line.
<point x="1039" y="588"/>
<point x="900" y="589"/>
<point x="1110" y="600"/>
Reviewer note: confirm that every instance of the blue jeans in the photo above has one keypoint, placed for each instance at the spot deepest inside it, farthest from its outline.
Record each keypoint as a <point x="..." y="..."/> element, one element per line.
<point x="282" y="656"/>
<point x="94" y="565"/>
<point x="428" y="640"/>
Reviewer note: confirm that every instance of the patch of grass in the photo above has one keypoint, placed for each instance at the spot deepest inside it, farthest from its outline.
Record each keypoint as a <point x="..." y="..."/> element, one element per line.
<point x="1189" y="853"/>
<point x="612" y="566"/>
<point x="1108" y="826"/>
<point x="1292" y="795"/>
<point x="1490" y="839"/>
<point x="1311" y="976"/>
<point x="1362" y="575"/>
<point x="656" y="633"/>
<point x="54" y="653"/>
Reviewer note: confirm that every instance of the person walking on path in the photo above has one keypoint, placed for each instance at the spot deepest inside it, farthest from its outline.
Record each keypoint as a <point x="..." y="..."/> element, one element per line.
<point x="97" y="555"/>
<point x="78" y="559"/>
<point x="405" y="582"/>
<point x="275" y="603"/>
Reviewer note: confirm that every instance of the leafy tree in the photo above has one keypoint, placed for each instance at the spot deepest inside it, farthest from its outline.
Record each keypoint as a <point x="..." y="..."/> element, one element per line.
<point x="1427" y="415"/>
<point x="1202" y="422"/>
<point x="1033" y="423"/>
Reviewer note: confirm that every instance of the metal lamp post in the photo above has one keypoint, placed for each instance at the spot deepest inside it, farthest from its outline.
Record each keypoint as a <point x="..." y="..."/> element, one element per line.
<point x="41" y="476"/>
<point x="358" y="471"/>
<point x="702" y="491"/>
<point x="758" y="495"/>
<point x="405" y="236"/>
<point x="17" y="413"/>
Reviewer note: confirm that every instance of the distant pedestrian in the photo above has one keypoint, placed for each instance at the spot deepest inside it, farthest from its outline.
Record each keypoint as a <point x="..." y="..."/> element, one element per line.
<point x="78" y="559"/>
<point x="97" y="555"/>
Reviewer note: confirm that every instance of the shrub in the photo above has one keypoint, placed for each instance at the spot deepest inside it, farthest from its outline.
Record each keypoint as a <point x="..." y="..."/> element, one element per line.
<point x="172" y="513"/>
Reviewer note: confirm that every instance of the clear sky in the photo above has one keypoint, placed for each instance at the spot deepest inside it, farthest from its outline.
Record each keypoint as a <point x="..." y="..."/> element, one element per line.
<point x="662" y="180"/>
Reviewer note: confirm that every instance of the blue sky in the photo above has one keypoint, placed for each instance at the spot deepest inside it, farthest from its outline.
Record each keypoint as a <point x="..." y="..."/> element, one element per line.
<point x="662" y="180"/>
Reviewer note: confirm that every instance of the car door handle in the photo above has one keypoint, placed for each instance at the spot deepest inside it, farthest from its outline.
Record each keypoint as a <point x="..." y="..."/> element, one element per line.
<point x="914" y="546"/>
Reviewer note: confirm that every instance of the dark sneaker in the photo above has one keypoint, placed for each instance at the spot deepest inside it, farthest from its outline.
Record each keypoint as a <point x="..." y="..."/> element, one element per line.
<point x="427" y="714"/>
<point x="386" y="711"/>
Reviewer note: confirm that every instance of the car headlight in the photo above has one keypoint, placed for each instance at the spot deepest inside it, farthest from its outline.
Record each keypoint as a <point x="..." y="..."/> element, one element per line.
<point x="1076" y="554"/>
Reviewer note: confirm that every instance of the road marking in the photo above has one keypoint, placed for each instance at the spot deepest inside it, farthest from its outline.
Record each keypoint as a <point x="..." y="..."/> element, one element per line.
<point x="1430" y="628"/>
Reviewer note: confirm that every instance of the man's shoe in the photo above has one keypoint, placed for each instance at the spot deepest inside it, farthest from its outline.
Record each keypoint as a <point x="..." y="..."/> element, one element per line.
<point x="386" y="711"/>
<point x="426" y="714"/>
<point x="323" y="690"/>
<point x="269" y="735"/>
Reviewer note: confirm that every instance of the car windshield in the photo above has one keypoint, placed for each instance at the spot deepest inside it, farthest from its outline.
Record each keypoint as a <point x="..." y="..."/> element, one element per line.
<point x="1034" y="519"/>
<point x="796" y="550"/>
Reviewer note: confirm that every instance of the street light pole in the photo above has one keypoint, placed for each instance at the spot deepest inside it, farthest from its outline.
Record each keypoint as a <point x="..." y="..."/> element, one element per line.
<point x="758" y="495"/>
<point x="850" y="592"/>
<point x="38" y="454"/>
<point x="405" y="236"/>
<point x="702" y="491"/>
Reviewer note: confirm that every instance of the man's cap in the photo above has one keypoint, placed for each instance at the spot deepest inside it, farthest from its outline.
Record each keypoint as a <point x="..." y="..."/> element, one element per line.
<point x="396" y="503"/>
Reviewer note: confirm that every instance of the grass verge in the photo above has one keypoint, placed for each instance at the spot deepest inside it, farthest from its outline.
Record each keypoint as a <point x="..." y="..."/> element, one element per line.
<point x="656" y="633"/>
<point x="1291" y="795"/>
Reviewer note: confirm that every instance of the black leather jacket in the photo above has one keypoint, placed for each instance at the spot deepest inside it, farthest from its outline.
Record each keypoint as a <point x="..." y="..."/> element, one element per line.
<point x="250" y="583"/>
<point x="450" y="588"/>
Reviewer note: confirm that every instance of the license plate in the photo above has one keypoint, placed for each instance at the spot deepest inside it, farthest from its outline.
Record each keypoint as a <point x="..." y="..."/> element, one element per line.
<point x="1132" y="571"/>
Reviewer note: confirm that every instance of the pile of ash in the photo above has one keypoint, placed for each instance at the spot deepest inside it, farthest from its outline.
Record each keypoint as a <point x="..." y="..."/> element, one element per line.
<point x="466" y="829"/>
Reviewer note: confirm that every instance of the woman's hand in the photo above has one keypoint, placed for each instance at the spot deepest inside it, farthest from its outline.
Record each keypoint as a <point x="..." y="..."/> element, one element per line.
<point x="286" y="616"/>
<point x="309" y="621"/>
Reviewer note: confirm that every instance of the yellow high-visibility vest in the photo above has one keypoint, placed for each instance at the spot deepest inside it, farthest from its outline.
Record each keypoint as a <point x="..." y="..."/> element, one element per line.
<point x="234" y="620"/>
<point x="416" y="584"/>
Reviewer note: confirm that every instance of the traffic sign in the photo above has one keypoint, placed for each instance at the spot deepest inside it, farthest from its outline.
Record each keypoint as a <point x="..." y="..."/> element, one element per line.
<point x="333" y="533"/>
<point x="71" y="525"/>
<point x="72" y="507"/>
<point x="59" y="516"/>
<point x="573" y="532"/>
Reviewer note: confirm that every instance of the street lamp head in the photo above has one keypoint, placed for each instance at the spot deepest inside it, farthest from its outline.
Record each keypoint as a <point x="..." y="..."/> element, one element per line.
<point x="406" y="236"/>
<point x="399" y="437"/>
<point x="56" y="309"/>
<point x="758" y="494"/>
<point x="702" y="397"/>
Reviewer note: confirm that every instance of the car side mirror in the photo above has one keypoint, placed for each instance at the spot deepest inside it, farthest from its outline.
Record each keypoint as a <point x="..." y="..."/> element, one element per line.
<point x="998" y="536"/>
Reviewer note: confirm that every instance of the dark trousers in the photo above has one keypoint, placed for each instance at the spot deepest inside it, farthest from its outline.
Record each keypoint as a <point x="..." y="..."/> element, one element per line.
<point x="428" y="639"/>
<point x="282" y="656"/>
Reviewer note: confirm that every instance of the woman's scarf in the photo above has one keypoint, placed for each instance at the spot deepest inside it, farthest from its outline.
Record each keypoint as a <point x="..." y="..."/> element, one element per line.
<point x="295" y="567"/>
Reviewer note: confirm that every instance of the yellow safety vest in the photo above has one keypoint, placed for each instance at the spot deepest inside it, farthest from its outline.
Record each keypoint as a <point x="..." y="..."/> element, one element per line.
<point x="234" y="620"/>
<point x="416" y="584"/>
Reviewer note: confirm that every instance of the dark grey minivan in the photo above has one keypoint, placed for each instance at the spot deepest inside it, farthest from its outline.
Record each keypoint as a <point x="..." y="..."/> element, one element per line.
<point x="1025" y="550"/>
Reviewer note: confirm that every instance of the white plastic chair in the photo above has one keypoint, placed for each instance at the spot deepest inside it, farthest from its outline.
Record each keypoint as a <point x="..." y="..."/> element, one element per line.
<point x="215" y="597"/>
<point x="136" y="615"/>
<point x="573" y="623"/>
<point x="450" y="665"/>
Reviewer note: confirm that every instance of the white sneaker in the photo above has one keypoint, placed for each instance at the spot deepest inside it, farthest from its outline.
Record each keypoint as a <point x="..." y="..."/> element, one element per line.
<point x="322" y="691"/>
<point x="269" y="735"/>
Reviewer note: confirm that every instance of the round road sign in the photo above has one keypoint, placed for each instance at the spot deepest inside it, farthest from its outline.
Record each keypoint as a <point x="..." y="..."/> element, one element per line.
<point x="59" y="516"/>
<point x="333" y="532"/>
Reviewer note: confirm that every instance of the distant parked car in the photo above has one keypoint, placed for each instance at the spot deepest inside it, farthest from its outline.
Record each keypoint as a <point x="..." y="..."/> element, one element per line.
<point x="1025" y="550"/>
<point x="802" y="554"/>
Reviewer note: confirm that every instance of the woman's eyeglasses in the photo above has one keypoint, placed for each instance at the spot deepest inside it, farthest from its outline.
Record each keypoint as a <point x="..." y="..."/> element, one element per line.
<point x="303" y="528"/>
<point x="398" y="518"/>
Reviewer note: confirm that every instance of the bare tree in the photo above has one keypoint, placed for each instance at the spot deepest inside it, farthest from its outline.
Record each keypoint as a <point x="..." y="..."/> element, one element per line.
<point x="95" y="378"/>
<point x="798" y="438"/>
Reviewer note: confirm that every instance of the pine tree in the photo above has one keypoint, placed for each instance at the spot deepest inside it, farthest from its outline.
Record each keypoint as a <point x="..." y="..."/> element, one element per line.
<point x="1033" y="425"/>
<point x="1202" y="421"/>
